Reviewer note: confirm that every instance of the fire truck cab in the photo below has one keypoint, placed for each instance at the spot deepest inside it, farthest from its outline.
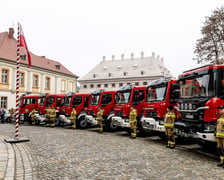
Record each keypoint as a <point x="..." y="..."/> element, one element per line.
<point x="160" y="94"/>
<point x="28" y="102"/>
<point x="201" y="93"/>
<point x="80" y="103"/>
<point x="104" y="99"/>
<point x="124" y="98"/>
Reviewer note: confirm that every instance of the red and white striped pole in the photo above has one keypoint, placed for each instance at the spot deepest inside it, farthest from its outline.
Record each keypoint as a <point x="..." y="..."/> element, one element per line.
<point x="17" y="84"/>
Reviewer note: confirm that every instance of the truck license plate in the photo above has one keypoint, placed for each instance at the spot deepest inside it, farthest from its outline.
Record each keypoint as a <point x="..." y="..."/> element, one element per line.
<point x="189" y="116"/>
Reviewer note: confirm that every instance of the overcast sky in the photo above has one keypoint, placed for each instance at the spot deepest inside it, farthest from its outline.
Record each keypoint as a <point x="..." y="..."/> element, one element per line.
<point x="78" y="33"/>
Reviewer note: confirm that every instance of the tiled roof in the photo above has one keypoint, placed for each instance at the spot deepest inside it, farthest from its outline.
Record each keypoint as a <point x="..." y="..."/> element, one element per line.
<point x="132" y="67"/>
<point x="8" y="48"/>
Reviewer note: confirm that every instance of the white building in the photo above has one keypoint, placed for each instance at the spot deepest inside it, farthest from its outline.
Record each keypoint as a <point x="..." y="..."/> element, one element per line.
<point x="113" y="74"/>
<point x="43" y="76"/>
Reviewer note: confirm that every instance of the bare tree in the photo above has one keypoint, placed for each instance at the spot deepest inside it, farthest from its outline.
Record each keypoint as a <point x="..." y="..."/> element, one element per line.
<point x="210" y="48"/>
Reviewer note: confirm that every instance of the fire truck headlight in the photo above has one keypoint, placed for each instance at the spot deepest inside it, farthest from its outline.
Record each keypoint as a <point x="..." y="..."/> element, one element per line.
<point x="182" y="106"/>
<point x="210" y="127"/>
<point x="190" y="106"/>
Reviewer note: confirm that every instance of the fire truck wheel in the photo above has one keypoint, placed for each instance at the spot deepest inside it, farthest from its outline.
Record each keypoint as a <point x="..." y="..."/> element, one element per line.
<point x="109" y="126"/>
<point x="8" y="120"/>
<point x="82" y="123"/>
<point x="57" y="122"/>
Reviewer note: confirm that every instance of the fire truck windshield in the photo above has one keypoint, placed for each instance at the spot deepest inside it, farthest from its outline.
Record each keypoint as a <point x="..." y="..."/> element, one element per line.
<point x="41" y="101"/>
<point x="199" y="86"/>
<point x="122" y="97"/>
<point x="155" y="94"/>
<point x="95" y="99"/>
<point x="28" y="101"/>
<point x="67" y="101"/>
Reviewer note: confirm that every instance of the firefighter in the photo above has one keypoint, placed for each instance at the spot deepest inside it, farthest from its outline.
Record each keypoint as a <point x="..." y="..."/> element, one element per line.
<point x="133" y="121"/>
<point x="169" y="120"/>
<point x="73" y="118"/>
<point x="12" y="113"/>
<point x="52" y="116"/>
<point x="219" y="133"/>
<point x="99" y="119"/>
<point x="32" y="114"/>
<point x="47" y="110"/>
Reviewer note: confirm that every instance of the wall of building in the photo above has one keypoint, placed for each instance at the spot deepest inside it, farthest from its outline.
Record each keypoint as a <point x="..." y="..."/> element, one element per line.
<point x="59" y="83"/>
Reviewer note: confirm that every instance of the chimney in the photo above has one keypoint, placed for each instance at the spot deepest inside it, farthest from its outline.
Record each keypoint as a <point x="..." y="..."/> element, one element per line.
<point x="142" y="55"/>
<point x="157" y="57"/>
<point x="113" y="57"/>
<point x="104" y="58"/>
<point x="11" y="33"/>
<point x="132" y="55"/>
<point x="161" y="60"/>
<point x="153" y="55"/>
<point x="122" y="56"/>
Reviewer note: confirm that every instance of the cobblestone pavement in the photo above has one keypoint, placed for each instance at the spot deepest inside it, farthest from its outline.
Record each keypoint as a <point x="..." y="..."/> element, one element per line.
<point x="63" y="153"/>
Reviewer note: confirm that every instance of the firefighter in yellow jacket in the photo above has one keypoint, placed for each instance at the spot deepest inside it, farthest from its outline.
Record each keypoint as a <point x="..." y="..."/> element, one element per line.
<point x="133" y="121"/>
<point x="99" y="119"/>
<point x="47" y="110"/>
<point x="32" y="114"/>
<point x="169" y="120"/>
<point x="52" y="114"/>
<point x="73" y="118"/>
<point x="220" y="136"/>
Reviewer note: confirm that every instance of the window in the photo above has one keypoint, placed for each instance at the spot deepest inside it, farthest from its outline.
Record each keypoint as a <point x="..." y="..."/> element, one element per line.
<point x="84" y="86"/>
<point x="21" y="79"/>
<point x="98" y="85"/>
<point x="142" y="72"/>
<point x="91" y="86"/>
<point x="5" y="76"/>
<point x="63" y="85"/>
<point x="120" y="84"/>
<point x="125" y="73"/>
<point x="144" y="83"/>
<point x="58" y="101"/>
<point x="4" y="102"/>
<point x="136" y="83"/>
<point x="47" y="83"/>
<point x="94" y="75"/>
<point x="128" y="83"/>
<point x="113" y="85"/>
<point x="105" y="85"/>
<point x="77" y="101"/>
<point x="35" y="81"/>
<point x="71" y="86"/>
<point x="110" y="74"/>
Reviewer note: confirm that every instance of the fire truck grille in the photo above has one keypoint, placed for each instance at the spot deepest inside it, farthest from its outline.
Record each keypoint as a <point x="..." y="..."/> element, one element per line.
<point x="151" y="114"/>
<point x="119" y="113"/>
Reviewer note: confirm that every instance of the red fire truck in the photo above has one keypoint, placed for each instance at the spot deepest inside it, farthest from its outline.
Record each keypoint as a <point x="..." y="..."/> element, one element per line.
<point x="80" y="103"/>
<point x="104" y="99"/>
<point x="201" y="93"/>
<point x="161" y="93"/>
<point x="55" y="100"/>
<point x="28" y="102"/>
<point x="124" y="98"/>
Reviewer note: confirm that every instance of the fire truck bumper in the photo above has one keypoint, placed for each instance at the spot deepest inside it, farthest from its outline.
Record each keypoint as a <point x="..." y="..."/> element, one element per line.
<point x="91" y="120"/>
<point x="152" y="124"/>
<point x="207" y="136"/>
<point x="118" y="121"/>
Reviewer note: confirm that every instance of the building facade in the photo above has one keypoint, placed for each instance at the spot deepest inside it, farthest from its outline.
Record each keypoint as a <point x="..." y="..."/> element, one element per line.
<point x="43" y="76"/>
<point x="113" y="74"/>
